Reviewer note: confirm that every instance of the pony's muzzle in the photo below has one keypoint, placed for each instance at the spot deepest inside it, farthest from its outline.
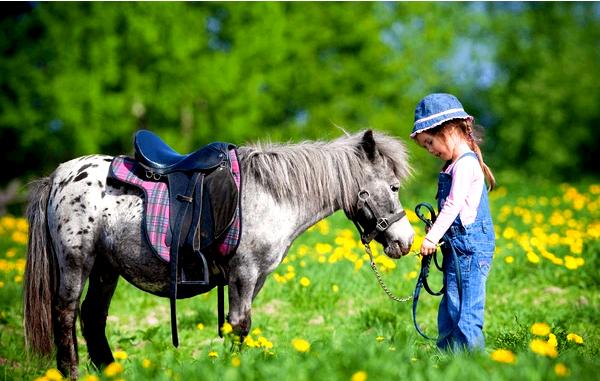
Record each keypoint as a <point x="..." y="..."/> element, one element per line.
<point x="399" y="239"/>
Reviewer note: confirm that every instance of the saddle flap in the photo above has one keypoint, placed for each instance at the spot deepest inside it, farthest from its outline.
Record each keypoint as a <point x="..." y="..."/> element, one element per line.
<point x="220" y="202"/>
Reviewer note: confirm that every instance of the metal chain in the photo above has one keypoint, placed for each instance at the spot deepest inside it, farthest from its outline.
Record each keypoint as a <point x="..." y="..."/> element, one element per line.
<point x="380" y="279"/>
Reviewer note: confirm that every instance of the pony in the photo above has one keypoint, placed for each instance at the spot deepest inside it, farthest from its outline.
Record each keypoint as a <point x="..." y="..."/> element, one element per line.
<point x="83" y="228"/>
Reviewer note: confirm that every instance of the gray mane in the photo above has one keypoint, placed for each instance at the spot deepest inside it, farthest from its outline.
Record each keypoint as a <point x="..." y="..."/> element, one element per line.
<point x="325" y="172"/>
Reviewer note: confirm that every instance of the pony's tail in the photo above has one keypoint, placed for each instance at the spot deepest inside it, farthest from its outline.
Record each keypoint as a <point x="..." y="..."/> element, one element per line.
<point x="39" y="282"/>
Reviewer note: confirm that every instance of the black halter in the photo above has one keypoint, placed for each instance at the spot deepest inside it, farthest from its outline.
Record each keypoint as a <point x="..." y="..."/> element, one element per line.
<point x="373" y="216"/>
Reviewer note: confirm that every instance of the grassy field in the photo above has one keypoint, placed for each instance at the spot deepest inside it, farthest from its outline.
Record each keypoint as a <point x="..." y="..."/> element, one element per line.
<point x="322" y="316"/>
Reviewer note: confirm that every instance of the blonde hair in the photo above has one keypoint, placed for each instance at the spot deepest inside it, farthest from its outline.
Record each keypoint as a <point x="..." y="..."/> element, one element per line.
<point x="473" y="135"/>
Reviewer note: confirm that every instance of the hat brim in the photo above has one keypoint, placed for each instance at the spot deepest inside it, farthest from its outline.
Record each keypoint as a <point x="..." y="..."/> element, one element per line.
<point x="432" y="123"/>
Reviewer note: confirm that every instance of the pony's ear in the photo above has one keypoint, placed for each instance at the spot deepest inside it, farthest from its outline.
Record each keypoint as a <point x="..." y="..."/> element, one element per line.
<point x="368" y="144"/>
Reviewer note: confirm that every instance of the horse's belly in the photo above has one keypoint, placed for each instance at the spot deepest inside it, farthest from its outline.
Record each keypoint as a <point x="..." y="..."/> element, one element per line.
<point x="128" y="249"/>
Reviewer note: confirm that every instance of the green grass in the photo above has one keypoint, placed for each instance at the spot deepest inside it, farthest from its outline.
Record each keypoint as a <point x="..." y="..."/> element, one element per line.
<point x="358" y="328"/>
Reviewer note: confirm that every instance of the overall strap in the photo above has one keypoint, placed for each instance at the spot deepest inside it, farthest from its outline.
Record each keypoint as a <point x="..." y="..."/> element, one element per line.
<point x="466" y="154"/>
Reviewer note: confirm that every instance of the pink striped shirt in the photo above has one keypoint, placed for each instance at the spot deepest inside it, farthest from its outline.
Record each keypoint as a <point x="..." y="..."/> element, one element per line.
<point x="464" y="197"/>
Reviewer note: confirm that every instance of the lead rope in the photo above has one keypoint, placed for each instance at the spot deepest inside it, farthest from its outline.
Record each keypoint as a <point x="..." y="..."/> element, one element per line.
<point x="380" y="279"/>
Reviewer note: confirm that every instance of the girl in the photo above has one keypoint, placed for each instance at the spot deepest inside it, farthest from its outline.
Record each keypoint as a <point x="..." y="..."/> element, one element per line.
<point x="444" y="129"/>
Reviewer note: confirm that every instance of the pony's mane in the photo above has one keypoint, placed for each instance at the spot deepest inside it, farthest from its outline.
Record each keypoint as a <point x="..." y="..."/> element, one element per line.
<point x="319" y="171"/>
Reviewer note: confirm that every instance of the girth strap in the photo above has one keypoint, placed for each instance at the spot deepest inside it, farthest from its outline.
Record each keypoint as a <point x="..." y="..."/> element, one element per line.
<point x="220" y="307"/>
<point x="183" y="203"/>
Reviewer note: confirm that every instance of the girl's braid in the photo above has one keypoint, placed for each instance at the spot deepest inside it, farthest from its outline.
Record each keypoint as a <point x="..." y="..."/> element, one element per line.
<point x="473" y="138"/>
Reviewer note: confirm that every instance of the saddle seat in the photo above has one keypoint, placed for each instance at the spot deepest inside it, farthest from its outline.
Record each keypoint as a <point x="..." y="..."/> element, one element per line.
<point x="154" y="154"/>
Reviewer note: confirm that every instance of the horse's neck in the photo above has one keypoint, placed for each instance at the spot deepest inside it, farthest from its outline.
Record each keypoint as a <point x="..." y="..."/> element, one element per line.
<point x="301" y="209"/>
<point x="311" y="214"/>
<point x="307" y="220"/>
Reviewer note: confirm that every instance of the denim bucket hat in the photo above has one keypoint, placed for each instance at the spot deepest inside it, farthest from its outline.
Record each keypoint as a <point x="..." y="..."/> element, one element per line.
<point x="436" y="109"/>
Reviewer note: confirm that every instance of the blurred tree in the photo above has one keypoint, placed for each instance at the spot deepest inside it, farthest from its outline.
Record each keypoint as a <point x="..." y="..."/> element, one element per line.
<point x="80" y="78"/>
<point x="546" y="95"/>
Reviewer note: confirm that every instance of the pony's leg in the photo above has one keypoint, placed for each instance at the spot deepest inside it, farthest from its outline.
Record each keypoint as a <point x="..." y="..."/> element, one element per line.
<point x="259" y="284"/>
<point x="242" y="281"/>
<point x="94" y="311"/>
<point x="66" y="304"/>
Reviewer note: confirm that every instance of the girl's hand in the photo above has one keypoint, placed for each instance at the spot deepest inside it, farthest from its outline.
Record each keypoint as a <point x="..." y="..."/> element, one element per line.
<point x="428" y="247"/>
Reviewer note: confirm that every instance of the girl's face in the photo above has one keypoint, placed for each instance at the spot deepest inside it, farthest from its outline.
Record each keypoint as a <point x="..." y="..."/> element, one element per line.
<point x="436" y="145"/>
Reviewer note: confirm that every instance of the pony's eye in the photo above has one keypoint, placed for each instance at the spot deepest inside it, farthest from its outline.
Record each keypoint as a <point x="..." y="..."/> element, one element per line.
<point x="395" y="188"/>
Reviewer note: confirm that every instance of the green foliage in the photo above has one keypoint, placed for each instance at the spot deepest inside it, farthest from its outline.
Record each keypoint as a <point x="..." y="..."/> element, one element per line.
<point x="82" y="78"/>
<point x="545" y="101"/>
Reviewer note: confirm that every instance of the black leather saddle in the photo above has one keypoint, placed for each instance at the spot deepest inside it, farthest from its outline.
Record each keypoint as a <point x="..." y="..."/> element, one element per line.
<point x="203" y="200"/>
<point x="152" y="152"/>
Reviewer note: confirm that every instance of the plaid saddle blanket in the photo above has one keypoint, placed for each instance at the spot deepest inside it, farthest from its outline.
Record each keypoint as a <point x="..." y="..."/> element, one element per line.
<point x="156" y="206"/>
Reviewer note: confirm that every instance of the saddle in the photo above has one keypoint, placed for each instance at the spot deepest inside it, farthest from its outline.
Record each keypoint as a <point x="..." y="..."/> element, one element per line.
<point x="202" y="209"/>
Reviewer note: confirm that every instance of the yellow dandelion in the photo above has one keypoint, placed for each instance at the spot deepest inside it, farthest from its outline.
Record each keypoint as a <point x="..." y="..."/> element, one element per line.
<point x="323" y="248"/>
<point x="213" y="354"/>
<point x="542" y="348"/>
<point x="358" y="264"/>
<point x="335" y="288"/>
<point x="301" y="345"/>
<point x="53" y="375"/>
<point x="303" y="250"/>
<point x="146" y="363"/>
<point x="411" y="275"/>
<point x="379" y="339"/>
<point x="19" y="238"/>
<point x="510" y="233"/>
<point x="257" y="332"/>
<point x="323" y="227"/>
<point x="540" y="329"/>
<point x="552" y="340"/>
<point x="504" y="355"/>
<point x="120" y="355"/>
<point x="571" y="262"/>
<point x="561" y="369"/>
<point x="304" y="281"/>
<point x="533" y="257"/>
<point x="200" y="326"/>
<point x="510" y="259"/>
<point x="113" y="369"/>
<point x="1" y="284"/>
<point x="22" y="225"/>
<point x="264" y="343"/>
<point x="575" y="337"/>
<point x="250" y="342"/>
<point x="236" y="362"/>
<point x="91" y="377"/>
<point x="361" y="375"/>
<point x="226" y="329"/>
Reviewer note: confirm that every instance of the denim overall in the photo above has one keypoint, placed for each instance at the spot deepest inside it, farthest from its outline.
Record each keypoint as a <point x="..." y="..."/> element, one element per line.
<point x="474" y="245"/>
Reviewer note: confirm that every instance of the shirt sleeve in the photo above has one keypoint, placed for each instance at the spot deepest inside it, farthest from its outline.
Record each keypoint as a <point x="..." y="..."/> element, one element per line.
<point x="463" y="176"/>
